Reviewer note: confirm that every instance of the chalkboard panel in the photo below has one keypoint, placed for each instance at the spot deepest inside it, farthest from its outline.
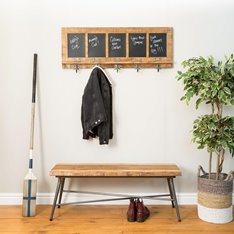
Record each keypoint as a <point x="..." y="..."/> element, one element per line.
<point x="76" y="44"/>
<point x="157" y="45"/>
<point x="137" y="44"/>
<point x="117" y="44"/>
<point x="96" y="45"/>
<point x="111" y="46"/>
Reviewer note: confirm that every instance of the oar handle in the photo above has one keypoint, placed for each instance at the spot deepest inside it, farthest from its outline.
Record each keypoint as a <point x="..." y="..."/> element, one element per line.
<point x="34" y="78"/>
<point x="33" y="101"/>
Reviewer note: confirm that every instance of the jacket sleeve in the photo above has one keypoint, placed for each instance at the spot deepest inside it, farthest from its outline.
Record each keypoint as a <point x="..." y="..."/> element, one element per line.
<point x="93" y="110"/>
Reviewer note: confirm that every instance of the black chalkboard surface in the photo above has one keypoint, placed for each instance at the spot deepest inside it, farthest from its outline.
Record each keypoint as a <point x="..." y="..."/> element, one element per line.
<point x="117" y="44"/>
<point x="157" y="45"/>
<point x="96" y="45"/>
<point x="137" y="44"/>
<point x="76" y="45"/>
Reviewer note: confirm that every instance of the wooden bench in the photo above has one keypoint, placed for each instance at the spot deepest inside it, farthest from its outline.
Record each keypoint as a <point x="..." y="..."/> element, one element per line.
<point x="62" y="171"/>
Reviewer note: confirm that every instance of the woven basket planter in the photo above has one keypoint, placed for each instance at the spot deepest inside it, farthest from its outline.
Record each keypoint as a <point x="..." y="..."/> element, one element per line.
<point x="215" y="197"/>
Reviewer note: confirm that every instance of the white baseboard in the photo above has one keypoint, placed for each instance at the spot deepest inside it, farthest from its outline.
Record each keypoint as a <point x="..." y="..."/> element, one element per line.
<point x="47" y="198"/>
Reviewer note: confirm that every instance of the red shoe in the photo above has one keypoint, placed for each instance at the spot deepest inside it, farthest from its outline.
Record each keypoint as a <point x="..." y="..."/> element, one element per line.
<point x="142" y="211"/>
<point x="131" y="213"/>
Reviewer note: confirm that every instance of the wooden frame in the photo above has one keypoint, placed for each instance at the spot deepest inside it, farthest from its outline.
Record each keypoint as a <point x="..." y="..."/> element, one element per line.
<point x="147" y="61"/>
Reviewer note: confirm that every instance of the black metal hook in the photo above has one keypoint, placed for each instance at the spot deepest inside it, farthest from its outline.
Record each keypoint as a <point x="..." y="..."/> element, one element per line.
<point x="117" y="67"/>
<point x="138" y="68"/>
<point x="158" y="67"/>
<point x="77" y="68"/>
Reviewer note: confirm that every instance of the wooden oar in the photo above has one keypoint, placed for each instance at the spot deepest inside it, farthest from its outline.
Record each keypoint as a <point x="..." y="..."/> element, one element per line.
<point x="30" y="181"/>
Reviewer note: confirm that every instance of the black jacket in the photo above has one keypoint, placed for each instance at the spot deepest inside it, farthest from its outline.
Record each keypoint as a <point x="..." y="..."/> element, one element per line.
<point x="96" y="110"/>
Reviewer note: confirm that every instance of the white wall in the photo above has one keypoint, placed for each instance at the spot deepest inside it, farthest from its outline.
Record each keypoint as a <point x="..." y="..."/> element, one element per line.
<point x="151" y="125"/>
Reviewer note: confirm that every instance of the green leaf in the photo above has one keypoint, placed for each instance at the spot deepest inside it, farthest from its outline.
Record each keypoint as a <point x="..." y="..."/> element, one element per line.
<point x="199" y="100"/>
<point x="211" y="126"/>
<point x="200" y="147"/>
<point x="223" y="70"/>
<point x="227" y="90"/>
<point x="182" y="98"/>
<point x="221" y="94"/>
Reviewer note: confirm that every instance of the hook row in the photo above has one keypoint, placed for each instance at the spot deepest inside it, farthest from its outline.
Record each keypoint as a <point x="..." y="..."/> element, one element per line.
<point x="118" y="67"/>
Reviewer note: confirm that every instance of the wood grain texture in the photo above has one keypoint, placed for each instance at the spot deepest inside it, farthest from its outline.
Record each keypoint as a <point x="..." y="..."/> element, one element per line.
<point x="115" y="170"/>
<point x="105" y="220"/>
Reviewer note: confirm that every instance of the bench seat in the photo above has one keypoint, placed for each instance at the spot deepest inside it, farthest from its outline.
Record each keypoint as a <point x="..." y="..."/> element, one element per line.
<point x="115" y="170"/>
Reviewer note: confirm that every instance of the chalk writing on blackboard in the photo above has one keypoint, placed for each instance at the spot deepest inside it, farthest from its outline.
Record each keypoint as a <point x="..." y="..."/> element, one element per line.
<point x="96" y="45"/>
<point x="117" y="44"/>
<point x="137" y="45"/>
<point x="157" y="45"/>
<point x="94" y="41"/>
<point x="76" y="44"/>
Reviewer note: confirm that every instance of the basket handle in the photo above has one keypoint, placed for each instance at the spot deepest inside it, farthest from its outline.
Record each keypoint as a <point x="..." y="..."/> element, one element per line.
<point x="230" y="176"/>
<point x="200" y="168"/>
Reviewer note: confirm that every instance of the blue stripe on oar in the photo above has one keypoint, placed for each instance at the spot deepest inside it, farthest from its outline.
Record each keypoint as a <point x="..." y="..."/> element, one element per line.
<point x="30" y="163"/>
<point x="29" y="196"/>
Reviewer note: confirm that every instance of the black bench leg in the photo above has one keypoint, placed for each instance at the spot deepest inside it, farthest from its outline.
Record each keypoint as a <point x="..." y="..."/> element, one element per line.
<point x="61" y="191"/>
<point x="55" y="198"/>
<point x="174" y="198"/>
<point x="170" y="190"/>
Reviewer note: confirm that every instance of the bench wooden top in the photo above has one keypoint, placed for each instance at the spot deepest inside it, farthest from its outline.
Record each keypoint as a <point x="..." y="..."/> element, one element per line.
<point x="115" y="170"/>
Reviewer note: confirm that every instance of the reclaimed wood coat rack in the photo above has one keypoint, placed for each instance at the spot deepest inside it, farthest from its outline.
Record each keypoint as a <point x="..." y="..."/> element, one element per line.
<point x="145" y="47"/>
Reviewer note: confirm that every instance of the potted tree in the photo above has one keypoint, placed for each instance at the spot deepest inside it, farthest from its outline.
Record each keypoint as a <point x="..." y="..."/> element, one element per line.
<point x="212" y="83"/>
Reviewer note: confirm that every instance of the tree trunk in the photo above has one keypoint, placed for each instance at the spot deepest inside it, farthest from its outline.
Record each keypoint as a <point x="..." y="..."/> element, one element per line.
<point x="222" y="152"/>
<point x="210" y="165"/>
<point x="217" y="167"/>
<point x="220" y="156"/>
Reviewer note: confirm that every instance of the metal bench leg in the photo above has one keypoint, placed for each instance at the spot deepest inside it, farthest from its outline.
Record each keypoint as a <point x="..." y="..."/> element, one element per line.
<point x="61" y="191"/>
<point x="55" y="198"/>
<point x="170" y="190"/>
<point x="174" y="198"/>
